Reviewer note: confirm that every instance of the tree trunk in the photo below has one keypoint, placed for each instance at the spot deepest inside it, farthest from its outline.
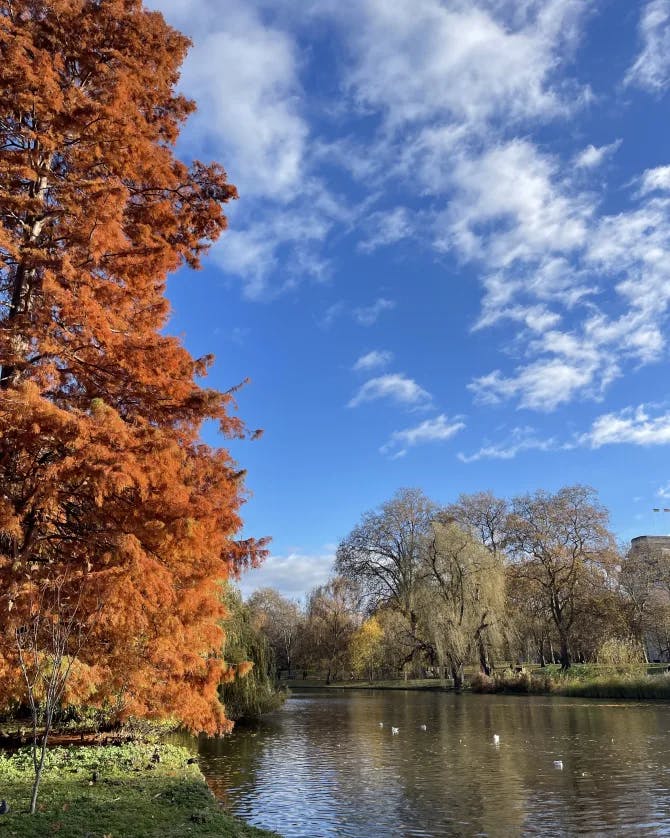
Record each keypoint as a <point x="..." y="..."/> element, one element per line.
<point x="38" y="777"/>
<point x="457" y="676"/>
<point x="565" y="654"/>
<point x="39" y="764"/>
<point x="23" y="286"/>
<point x="484" y="662"/>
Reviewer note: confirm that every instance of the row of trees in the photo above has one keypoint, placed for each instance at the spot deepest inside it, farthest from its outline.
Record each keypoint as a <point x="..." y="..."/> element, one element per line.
<point x="483" y="580"/>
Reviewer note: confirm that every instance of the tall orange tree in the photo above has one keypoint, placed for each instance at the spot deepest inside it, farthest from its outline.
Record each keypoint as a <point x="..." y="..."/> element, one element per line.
<point x="115" y="520"/>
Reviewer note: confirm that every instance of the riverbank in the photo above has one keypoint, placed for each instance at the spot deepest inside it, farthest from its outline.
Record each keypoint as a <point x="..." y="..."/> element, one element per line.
<point x="427" y="684"/>
<point x="582" y="681"/>
<point x="115" y="791"/>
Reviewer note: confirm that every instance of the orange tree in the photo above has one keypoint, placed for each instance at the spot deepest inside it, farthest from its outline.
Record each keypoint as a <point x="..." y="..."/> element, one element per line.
<point x="115" y="520"/>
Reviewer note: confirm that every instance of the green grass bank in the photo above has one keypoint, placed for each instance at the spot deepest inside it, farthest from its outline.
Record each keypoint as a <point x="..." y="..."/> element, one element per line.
<point x="115" y="791"/>
<point x="583" y="681"/>
<point x="638" y="682"/>
<point x="400" y="684"/>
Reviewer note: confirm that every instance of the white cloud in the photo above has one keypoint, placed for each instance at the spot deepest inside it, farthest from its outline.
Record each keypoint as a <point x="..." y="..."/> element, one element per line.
<point x="331" y="314"/>
<point x="243" y="70"/>
<point x="509" y="206"/>
<point x="376" y="359"/>
<point x="632" y="249"/>
<point x="396" y="387"/>
<point x="243" y="74"/>
<point x="651" y="69"/>
<point x="253" y="251"/>
<point x="578" y="335"/>
<point x="657" y="179"/>
<point x="664" y="491"/>
<point x="592" y="156"/>
<point x="545" y="384"/>
<point x="643" y="425"/>
<point x="438" y="429"/>
<point x="387" y="228"/>
<point x="444" y="86"/>
<point x="415" y="59"/>
<point x="633" y="425"/>
<point x="520" y="440"/>
<point x="293" y="575"/>
<point x="368" y="315"/>
<point x="449" y="82"/>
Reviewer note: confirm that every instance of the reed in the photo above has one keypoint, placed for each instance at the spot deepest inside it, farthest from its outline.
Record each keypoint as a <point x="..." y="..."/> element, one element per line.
<point x="633" y="685"/>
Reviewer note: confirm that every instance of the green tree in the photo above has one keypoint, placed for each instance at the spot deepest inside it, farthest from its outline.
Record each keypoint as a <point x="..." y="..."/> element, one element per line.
<point x="462" y="597"/>
<point x="249" y="689"/>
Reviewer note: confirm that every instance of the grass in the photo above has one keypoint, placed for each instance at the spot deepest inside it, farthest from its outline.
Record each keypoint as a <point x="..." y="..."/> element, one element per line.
<point x="581" y="680"/>
<point x="397" y="684"/>
<point x="620" y="686"/>
<point x="114" y="791"/>
<point x="587" y="680"/>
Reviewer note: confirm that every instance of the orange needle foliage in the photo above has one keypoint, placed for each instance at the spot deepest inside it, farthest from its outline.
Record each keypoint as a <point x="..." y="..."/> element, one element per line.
<point x="105" y="489"/>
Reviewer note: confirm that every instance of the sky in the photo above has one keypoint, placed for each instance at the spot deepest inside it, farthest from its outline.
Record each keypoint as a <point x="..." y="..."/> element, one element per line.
<point x="449" y="265"/>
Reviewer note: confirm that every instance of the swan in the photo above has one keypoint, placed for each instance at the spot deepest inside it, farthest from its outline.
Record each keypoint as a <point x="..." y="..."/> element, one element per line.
<point x="496" y="739"/>
<point x="395" y="730"/>
<point x="558" y="763"/>
<point x="381" y="724"/>
<point x="423" y="727"/>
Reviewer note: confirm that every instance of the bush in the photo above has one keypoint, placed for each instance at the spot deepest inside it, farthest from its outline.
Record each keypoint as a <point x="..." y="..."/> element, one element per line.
<point x="482" y="683"/>
<point x="619" y="651"/>
<point x="513" y="682"/>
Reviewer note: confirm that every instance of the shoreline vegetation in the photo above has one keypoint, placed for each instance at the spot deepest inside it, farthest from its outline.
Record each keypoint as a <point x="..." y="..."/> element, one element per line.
<point x="580" y="681"/>
<point x="115" y="791"/>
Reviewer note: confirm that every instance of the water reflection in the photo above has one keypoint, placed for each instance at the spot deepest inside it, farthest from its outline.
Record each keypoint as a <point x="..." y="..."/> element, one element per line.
<point x="324" y="767"/>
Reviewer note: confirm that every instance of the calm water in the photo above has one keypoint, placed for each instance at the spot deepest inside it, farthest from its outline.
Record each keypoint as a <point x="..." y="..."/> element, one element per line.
<point x="324" y="767"/>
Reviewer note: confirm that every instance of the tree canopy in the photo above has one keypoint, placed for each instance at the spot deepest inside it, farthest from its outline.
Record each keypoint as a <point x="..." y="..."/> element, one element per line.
<point x="108" y="496"/>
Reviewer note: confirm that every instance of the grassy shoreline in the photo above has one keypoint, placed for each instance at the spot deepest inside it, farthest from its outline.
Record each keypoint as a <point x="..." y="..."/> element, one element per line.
<point x="115" y="791"/>
<point x="425" y="684"/>
<point x="581" y="681"/>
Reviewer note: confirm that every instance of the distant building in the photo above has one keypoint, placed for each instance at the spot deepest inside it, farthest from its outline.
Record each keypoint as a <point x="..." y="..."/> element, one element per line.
<point x="651" y="545"/>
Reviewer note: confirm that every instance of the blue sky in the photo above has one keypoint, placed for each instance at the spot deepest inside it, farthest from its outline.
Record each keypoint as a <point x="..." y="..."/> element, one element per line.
<point x="449" y="266"/>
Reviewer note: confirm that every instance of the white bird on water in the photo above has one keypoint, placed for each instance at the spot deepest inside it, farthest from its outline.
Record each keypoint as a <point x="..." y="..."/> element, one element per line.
<point x="558" y="763"/>
<point x="423" y="727"/>
<point x="395" y="730"/>
<point x="381" y="724"/>
<point x="496" y="739"/>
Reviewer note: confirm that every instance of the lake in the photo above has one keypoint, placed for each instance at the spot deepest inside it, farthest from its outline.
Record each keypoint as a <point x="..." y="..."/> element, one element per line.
<point x="323" y="766"/>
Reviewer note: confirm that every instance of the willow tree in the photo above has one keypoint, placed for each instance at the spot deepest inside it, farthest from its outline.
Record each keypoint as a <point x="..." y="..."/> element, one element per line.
<point x="114" y="517"/>
<point x="251" y="689"/>
<point x="462" y="597"/>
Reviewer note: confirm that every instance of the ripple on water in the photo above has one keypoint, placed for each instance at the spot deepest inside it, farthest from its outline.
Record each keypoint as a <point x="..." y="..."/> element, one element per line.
<point x="324" y="767"/>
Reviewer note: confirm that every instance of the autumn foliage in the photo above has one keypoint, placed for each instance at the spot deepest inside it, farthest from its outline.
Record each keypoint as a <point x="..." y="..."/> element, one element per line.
<point x="106" y="492"/>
